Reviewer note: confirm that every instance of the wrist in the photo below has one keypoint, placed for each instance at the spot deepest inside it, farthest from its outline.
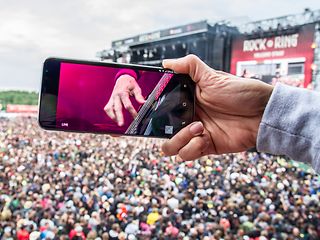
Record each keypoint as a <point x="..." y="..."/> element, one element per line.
<point x="264" y="97"/>
<point x="125" y="71"/>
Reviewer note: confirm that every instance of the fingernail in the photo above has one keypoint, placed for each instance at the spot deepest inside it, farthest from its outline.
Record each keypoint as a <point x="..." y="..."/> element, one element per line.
<point x="196" y="128"/>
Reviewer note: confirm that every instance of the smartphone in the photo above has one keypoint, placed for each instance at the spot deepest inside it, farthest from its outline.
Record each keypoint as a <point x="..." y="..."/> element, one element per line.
<point x="111" y="98"/>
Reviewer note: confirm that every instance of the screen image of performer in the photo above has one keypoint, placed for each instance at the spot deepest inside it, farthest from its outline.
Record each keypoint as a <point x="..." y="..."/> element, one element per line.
<point x="121" y="100"/>
<point x="157" y="114"/>
<point x="125" y="86"/>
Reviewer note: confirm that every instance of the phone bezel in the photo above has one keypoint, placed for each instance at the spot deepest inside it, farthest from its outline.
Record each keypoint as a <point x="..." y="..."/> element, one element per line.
<point x="95" y="63"/>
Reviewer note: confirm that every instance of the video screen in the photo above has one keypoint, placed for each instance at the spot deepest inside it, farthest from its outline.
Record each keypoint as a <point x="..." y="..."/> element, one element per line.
<point x="122" y="100"/>
<point x="287" y="71"/>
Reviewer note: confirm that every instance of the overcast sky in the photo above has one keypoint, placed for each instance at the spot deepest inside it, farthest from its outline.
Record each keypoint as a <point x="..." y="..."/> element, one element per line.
<point x="31" y="30"/>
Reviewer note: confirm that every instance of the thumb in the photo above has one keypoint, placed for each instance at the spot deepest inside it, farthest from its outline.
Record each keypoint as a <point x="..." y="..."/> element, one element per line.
<point x="190" y="64"/>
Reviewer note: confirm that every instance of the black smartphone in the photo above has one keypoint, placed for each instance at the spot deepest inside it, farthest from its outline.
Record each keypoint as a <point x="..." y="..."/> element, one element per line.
<point x="112" y="98"/>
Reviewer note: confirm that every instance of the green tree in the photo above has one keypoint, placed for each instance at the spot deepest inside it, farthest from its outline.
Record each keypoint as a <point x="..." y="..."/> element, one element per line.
<point x="18" y="97"/>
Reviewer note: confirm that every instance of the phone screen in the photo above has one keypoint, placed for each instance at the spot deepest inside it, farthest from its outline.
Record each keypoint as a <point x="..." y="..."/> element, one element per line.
<point x="116" y="99"/>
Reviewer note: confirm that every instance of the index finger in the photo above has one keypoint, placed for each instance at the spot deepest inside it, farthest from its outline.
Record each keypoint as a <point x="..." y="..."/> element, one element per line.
<point x="182" y="138"/>
<point x="109" y="110"/>
<point x="127" y="104"/>
<point x="118" y="111"/>
<point x="190" y="64"/>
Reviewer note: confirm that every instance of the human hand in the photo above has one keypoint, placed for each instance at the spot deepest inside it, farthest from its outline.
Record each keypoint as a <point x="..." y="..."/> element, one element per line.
<point x="229" y="110"/>
<point x="125" y="87"/>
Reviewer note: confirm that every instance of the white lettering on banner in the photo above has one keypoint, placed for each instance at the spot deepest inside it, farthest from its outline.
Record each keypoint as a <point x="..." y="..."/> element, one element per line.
<point x="149" y="36"/>
<point x="254" y="45"/>
<point x="175" y="31"/>
<point x="286" y="41"/>
<point x="130" y="40"/>
<point x="277" y="53"/>
<point x="268" y="54"/>
<point x="262" y="55"/>
<point x="261" y="44"/>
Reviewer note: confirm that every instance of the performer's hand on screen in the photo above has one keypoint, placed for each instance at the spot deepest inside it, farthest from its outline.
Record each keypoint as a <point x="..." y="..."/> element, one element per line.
<point x="125" y="87"/>
<point x="228" y="108"/>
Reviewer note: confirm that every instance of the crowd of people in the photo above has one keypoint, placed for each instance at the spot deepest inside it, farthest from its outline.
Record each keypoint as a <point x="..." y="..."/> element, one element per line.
<point x="58" y="185"/>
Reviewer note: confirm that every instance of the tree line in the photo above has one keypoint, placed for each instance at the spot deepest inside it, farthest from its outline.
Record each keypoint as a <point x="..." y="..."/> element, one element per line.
<point x="17" y="97"/>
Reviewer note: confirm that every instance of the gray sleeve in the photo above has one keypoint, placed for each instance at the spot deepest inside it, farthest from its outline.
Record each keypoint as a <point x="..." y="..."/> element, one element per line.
<point x="291" y="125"/>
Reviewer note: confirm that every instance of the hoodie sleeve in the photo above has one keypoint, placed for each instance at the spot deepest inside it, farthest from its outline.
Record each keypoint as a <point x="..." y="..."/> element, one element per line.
<point x="126" y="71"/>
<point x="291" y="125"/>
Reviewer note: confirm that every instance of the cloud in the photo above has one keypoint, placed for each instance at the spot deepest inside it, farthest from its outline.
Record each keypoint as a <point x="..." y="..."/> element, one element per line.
<point x="32" y="30"/>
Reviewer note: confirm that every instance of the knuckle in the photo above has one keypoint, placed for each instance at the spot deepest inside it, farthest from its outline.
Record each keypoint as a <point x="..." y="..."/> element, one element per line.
<point x="192" y="58"/>
<point x="122" y="94"/>
<point x="195" y="147"/>
<point x="185" y="156"/>
<point x="201" y="143"/>
<point x="107" y="108"/>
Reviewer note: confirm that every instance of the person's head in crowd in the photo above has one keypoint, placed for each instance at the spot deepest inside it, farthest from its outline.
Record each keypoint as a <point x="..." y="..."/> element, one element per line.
<point x="82" y="186"/>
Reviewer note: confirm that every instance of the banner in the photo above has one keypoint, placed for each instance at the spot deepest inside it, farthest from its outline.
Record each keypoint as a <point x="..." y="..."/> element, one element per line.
<point x="187" y="29"/>
<point x="16" y="108"/>
<point x="284" y="57"/>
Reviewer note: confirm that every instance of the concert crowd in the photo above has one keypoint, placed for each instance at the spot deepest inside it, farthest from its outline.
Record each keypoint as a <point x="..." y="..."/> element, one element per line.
<point x="57" y="185"/>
